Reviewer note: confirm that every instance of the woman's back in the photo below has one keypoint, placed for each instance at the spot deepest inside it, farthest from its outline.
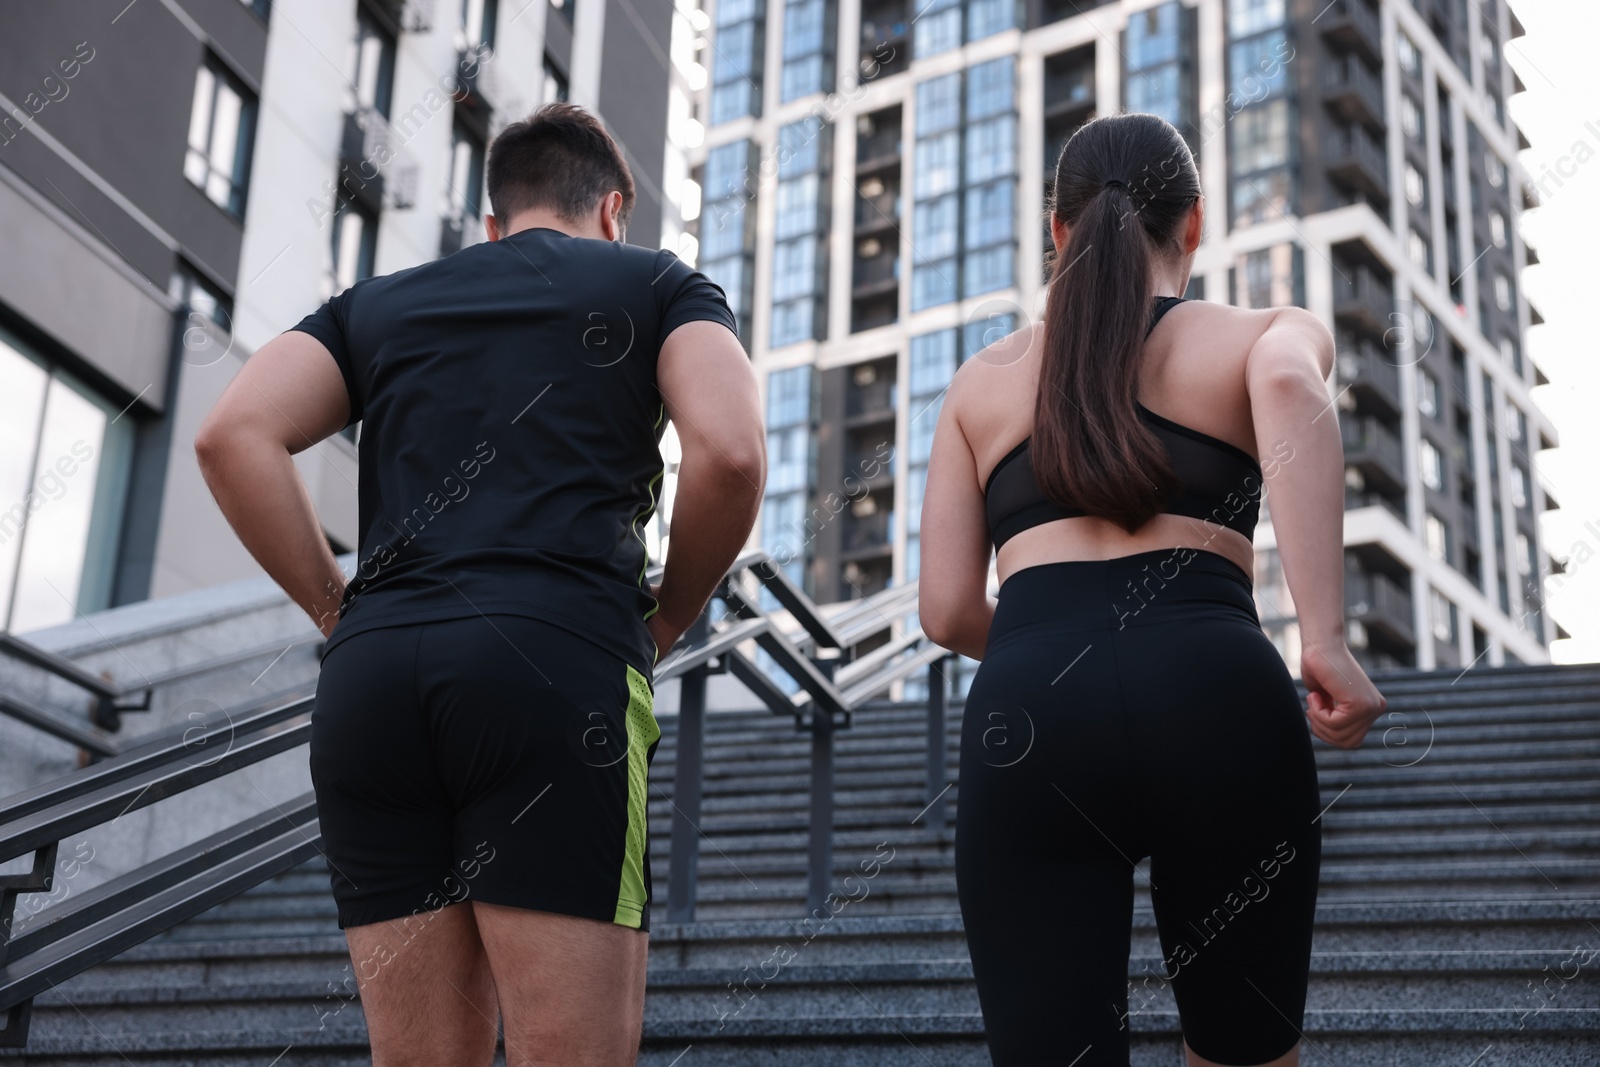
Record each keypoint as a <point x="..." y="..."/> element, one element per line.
<point x="1192" y="373"/>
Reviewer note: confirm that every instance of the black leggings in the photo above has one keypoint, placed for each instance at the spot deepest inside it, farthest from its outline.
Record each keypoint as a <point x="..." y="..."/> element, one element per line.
<point x="1127" y="708"/>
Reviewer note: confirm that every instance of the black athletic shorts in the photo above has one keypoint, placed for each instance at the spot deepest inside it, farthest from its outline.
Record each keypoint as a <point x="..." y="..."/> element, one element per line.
<point x="494" y="758"/>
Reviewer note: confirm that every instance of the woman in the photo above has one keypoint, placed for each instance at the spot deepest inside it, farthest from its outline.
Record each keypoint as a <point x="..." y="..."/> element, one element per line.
<point x="1128" y="703"/>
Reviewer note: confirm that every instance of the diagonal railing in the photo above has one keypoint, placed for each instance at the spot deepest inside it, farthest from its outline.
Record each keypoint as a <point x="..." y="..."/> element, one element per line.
<point x="836" y="661"/>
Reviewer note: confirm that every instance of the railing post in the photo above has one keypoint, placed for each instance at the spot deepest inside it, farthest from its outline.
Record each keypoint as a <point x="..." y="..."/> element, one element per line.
<point x="935" y="814"/>
<point x="819" y="851"/>
<point x="683" y="870"/>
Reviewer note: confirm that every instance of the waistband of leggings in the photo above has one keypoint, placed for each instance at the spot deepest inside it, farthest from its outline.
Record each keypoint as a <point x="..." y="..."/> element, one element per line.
<point x="1145" y="588"/>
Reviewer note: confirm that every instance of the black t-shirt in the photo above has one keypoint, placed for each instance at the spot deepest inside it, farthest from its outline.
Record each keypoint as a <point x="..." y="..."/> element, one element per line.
<point x="511" y="426"/>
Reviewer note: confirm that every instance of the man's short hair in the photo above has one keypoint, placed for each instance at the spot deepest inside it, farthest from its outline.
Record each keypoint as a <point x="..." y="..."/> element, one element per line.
<point x="560" y="158"/>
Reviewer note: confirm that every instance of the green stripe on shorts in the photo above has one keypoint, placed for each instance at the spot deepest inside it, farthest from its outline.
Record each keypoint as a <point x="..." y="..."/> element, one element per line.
<point x="643" y="731"/>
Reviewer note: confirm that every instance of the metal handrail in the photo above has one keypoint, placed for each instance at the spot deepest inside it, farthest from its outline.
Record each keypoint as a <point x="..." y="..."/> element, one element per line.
<point x="822" y="653"/>
<point x="109" y="698"/>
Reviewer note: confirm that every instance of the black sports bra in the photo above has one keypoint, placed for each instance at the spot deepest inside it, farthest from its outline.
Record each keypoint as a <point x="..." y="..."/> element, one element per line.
<point x="1217" y="481"/>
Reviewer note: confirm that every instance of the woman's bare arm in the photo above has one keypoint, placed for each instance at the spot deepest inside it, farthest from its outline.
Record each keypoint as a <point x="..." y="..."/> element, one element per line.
<point x="1295" y="422"/>
<point x="954" y="603"/>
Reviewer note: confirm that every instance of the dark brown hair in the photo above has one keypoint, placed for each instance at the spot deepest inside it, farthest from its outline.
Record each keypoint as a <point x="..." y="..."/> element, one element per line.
<point x="560" y="158"/>
<point x="1124" y="184"/>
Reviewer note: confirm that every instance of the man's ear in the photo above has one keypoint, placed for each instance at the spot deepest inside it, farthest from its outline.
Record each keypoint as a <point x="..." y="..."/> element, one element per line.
<point x="610" y="209"/>
<point x="491" y="226"/>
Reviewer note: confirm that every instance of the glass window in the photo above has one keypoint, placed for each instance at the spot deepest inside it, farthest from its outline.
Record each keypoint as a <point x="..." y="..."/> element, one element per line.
<point x="727" y="170"/>
<point x="799" y="147"/>
<point x="802" y="28"/>
<point x="355" y="244"/>
<point x="797" y="207"/>
<point x="1256" y="67"/>
<point x="722" y="229"/>
<point x="1406" y="52"/>
<point x="794" y="321"/>
<point x="933" y="362"/>
<point x="939" y="104"/>
<point x="1252" y="16"/>
<point x="794" y="268"/>
<point x="788" y="450"/>
<point x="1261" y="137"/>
<point x="938" y="166"/>
<point x="1497" y="229"/>
<point x="197" y="296"/>
<point x="735" y="53"/>
<point x="938" y="30"/>
<point x="990" y="217"/>
<point x="1428" y="395"/>
<point x="1419" y="251"/>
<point x="1502" y="292"/>
<point x="988" y="17"/>
<point x="1156" y="91"/>
<point x="1411" y="117"/>
<point x="933" y="284"/>
<point x="991" y="148"/>
<point x="1521" y="487"/>
<point x="1153" y="37"/>
<point x="733" y="276"/>
<point x="1416" y="187"/>
<point x="478" y="18"/>
<point x="789" y="397"/>
<point x="1436" y="535"/>
<point x="1443" y="614"/>
<point x="991" y="88"/>
<point x="221" y="132"/>
<point x="934" y="229"/>
<point x="981" y="333"/>
<point x="1494" y="169"/>
<point x="987" y="269"/>
<point x="464" y="192"/>
<point x="1260" y="197"/>
<point x="64" y="460"/>
<point x="1431" y="464"/>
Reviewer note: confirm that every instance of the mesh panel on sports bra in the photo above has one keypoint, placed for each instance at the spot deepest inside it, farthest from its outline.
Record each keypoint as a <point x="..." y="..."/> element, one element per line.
<point x="1216" y="480"/>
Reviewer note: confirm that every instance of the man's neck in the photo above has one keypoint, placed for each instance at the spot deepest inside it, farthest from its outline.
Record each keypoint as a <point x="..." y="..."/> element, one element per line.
<point x="538" y="219"/>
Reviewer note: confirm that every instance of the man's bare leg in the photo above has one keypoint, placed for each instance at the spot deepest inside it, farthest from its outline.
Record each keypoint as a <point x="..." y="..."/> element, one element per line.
<point x="426" y="989"/>
<point x="572" y="990"/>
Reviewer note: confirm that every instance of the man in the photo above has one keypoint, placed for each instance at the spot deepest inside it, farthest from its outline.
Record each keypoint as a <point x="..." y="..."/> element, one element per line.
<point x="483" y="724"/>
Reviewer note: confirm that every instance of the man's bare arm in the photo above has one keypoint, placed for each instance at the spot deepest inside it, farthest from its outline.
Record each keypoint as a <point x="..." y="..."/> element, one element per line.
<point x="710" y="394"/>
<point x="289" y="396"/>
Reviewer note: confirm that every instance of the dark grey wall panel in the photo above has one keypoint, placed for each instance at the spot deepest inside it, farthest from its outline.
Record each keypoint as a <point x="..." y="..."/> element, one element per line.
<point x="633" y="99"/>
<point x="125" y="114"/>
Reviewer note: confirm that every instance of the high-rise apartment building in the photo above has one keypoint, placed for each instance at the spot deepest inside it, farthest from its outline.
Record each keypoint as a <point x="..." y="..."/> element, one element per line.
<point x="875" y="175"/>
<point x="181" y="180"/>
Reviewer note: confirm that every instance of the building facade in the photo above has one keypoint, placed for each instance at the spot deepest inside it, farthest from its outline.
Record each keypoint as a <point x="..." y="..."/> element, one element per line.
<point x="874" y="181"/>
<point x="181" y="180"/>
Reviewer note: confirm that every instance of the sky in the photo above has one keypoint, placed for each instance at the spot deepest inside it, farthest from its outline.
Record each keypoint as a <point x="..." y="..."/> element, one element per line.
<point x="1560" y="114"/>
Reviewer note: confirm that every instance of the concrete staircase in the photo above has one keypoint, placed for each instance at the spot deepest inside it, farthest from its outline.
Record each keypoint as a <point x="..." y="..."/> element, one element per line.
<point x="1458" y="924"/>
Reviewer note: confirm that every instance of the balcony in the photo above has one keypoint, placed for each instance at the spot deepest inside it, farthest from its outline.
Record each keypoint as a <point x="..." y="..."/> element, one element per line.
<point x="878" y="273"/>
<point x="1354" y="159"/>
<point x="1380" y="604"/>
<point x="478" y="88"/>
<point x="1370" y="376"/>
<point x="870" y="403"/>
<point x="879" y="149"/>
<point x="879" y="211"/>
<point x="1354" y="499"/>
<point x="1353" y="24"/>
<point x="1353" y="91"/>
<point x="375" y="171"/>
<point x="1374" y="450"/>
<point x="865" y="536"/>
<point x="1361" y="298"/>
<point x="458" y="231"/>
